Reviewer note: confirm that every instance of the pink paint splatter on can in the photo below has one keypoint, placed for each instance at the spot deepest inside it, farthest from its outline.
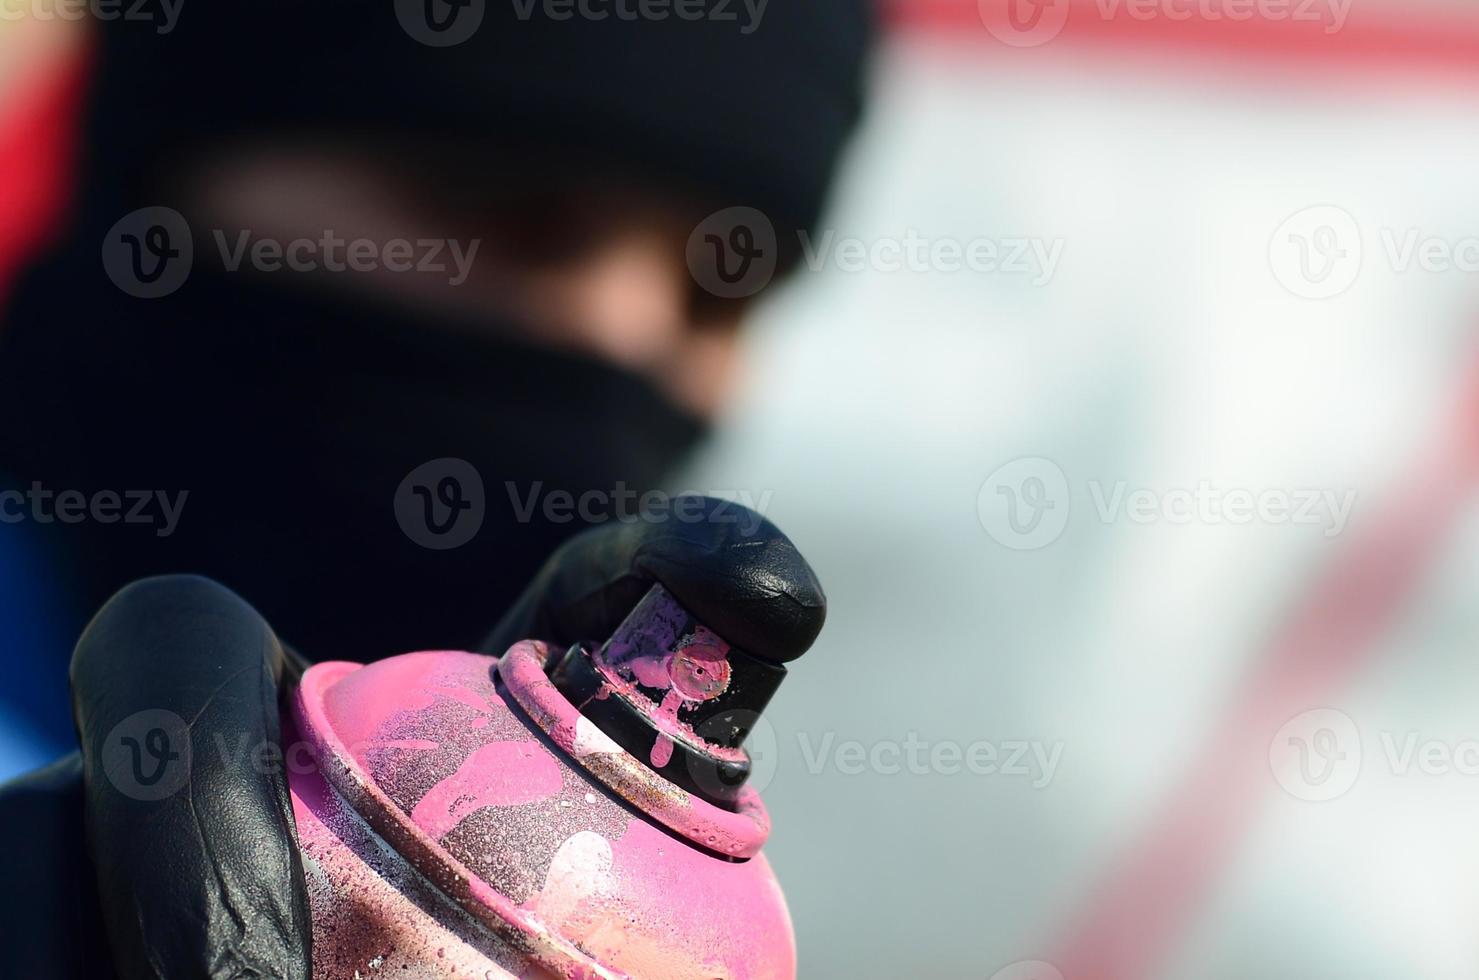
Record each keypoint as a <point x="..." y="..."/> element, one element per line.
<point x="449" y="830"/>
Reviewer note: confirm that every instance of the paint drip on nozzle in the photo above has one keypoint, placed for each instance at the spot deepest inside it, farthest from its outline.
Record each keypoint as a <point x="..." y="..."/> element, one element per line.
<point x="574" y="813"/>
<point x="672" y="691"/>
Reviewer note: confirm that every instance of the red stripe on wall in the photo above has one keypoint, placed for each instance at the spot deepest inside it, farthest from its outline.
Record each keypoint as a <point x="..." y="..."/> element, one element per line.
<point x="1144" y="906"/>
<point x="1390" y="36"/>
<point x="38" y="144"/>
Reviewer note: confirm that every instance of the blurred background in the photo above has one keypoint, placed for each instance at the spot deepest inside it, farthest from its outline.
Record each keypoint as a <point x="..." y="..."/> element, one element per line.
<point x="1149" y="542"/>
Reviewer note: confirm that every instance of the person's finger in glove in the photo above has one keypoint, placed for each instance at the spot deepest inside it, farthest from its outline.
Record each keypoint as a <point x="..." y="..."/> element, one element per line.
<point x="731" y="568"/>
<point x="204" y="880"/>
<point x="194" y="869"/>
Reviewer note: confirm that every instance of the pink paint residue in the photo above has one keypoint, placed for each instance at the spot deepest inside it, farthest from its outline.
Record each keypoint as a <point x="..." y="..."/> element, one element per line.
<point x="731" y="917"/>
<point x="539" y="844"/>
<point x="739" y="832"/>
<point x="501" y="774"/>
<point x="700" y="671"/>
<point x="650" y="672"/>
<point x="662" y="752"/>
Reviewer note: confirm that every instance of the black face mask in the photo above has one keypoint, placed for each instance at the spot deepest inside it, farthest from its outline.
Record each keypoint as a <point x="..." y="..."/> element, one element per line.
<point x="311" y="434"/>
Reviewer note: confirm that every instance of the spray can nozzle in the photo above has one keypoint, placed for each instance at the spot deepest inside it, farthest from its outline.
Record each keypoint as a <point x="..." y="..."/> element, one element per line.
<point x="673" y="692"/>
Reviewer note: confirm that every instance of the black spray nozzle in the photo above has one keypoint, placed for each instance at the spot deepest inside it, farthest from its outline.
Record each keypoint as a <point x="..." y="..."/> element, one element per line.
<point x="674" y="693"/>
<point x="683" y="680"/>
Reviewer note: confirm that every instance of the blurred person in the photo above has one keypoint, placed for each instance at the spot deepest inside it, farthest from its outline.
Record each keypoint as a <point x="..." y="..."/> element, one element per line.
<point x="257" y="424"/>
<point x="267" y="422"/>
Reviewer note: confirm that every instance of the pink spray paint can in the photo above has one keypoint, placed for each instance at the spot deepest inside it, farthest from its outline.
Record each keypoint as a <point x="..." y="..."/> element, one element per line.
<point x="574" y="813"/>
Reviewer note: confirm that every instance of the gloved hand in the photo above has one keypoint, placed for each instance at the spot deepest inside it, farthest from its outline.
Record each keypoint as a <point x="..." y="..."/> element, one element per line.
<point x="165" y="849"/>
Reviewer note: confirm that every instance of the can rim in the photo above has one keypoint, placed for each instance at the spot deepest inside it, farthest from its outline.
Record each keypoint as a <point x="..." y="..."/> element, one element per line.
<point x="736" y="834"/>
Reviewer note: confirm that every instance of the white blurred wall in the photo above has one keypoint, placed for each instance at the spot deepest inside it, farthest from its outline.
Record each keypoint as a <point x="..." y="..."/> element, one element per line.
<point x="1164" y="352"/>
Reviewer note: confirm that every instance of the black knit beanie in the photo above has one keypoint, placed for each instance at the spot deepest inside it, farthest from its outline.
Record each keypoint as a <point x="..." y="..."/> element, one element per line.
<point x="736" y="102"/>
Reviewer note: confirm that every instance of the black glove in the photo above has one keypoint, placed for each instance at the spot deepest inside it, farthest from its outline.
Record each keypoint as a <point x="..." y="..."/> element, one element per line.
<point x="161" y="851"/>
